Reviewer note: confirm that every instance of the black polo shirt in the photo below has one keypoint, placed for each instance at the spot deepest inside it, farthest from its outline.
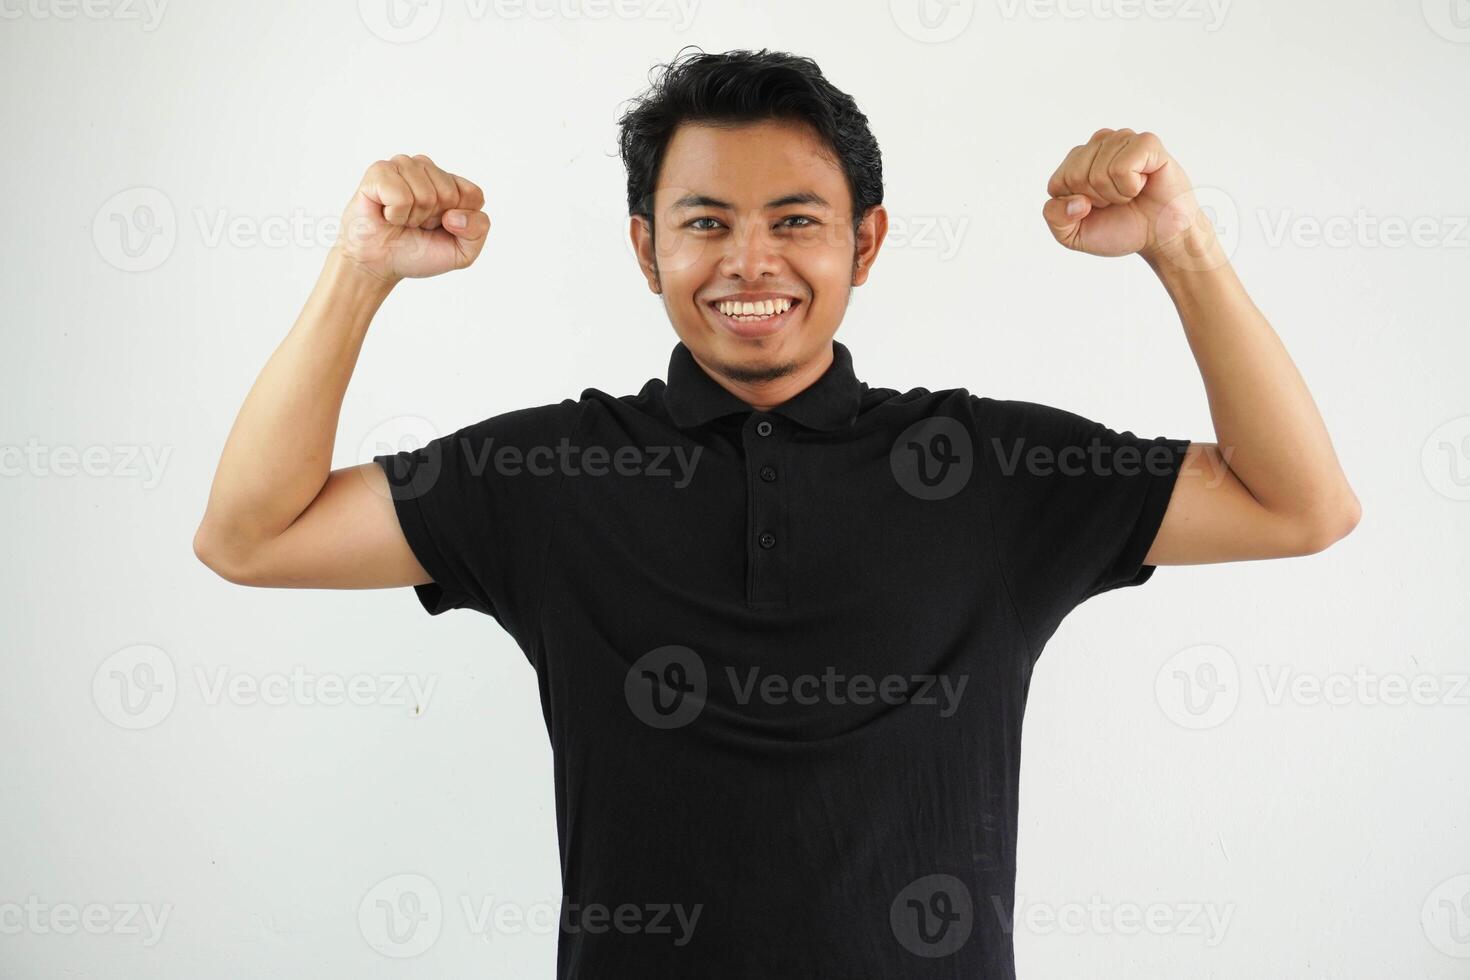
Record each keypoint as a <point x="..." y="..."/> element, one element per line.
<point x="783" y="656"/>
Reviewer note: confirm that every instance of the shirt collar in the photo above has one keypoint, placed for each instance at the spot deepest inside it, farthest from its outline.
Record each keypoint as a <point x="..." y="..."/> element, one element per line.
<point x="692" y="397"/>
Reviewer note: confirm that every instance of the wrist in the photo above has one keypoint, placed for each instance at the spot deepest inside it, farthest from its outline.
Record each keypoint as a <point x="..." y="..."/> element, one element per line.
<point x="1194" y="250"/>
<point x="341" y="271"/>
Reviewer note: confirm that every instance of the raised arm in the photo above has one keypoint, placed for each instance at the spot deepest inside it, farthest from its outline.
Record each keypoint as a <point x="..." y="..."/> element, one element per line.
<point x="278" y="515"/>
<point x="1271" y="485"/>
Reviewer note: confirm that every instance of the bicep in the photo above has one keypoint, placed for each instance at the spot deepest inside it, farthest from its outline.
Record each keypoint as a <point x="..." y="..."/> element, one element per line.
<point x="1213" y="517"/>
<point x="349" y="537"/>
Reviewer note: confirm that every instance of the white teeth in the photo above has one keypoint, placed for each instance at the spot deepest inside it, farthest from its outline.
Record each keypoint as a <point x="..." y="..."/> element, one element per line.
<point x="765" y="308"/>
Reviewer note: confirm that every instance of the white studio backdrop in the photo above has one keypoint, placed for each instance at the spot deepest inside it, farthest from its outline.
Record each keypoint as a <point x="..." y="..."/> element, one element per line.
<point x="1248" y="770"/>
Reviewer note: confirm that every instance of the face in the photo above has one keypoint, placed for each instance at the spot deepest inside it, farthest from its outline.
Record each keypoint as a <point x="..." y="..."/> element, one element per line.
<point x="755" y="213"/>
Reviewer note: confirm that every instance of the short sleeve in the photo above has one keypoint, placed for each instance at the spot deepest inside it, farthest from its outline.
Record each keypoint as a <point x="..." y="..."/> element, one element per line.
<point x="1075" y="505"/>
<point x="476" y="509"/>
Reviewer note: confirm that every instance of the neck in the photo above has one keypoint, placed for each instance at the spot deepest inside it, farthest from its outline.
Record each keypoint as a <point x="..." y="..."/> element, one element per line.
<point x="764" y="395"/>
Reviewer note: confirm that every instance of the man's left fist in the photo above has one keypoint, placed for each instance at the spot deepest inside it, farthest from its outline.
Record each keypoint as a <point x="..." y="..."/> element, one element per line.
<point x="1126" y="195"/>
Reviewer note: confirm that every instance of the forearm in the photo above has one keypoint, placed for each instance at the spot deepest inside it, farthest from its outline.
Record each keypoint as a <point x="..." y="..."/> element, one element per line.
<point x="1267" y="425"/>
<point x="279" y="451"/>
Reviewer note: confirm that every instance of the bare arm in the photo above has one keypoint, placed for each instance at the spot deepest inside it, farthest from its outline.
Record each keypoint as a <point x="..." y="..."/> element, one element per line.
<point x="1271" y="485"/>
<point x="278" y="515"/>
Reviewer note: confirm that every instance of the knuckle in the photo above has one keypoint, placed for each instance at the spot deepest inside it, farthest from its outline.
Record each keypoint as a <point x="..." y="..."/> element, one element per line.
<point x="470" y="196"/>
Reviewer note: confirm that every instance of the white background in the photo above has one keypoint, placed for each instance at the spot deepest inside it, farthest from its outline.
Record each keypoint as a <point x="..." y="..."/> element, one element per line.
<point x="1329" y="837"/>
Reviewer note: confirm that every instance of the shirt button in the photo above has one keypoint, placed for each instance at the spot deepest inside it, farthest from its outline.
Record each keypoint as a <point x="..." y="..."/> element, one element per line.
<point x="763" y="427"/>
<point x="768" y="473"/>
<point x="767" y="539"/>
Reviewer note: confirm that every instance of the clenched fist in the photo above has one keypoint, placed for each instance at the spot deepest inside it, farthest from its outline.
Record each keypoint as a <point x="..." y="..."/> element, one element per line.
<point x="1122" y="193"/>
<point x="409" y="220"/>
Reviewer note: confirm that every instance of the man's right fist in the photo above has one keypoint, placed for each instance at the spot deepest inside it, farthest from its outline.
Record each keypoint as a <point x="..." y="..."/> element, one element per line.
<point x="410" y="220"/>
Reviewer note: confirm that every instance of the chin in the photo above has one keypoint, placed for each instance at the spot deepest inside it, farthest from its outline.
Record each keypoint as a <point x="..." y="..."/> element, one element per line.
<point x="758" y="370"/>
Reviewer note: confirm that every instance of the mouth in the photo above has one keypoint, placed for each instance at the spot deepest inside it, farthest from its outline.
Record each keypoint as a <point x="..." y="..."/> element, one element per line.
<point x="755" y="324"/>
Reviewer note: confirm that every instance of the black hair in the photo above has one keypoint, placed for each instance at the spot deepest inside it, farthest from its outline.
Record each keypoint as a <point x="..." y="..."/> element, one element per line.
<point x="741" y="87"/>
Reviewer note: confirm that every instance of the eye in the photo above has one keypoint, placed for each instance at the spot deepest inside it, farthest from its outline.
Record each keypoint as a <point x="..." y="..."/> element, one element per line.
<point x="800" y="217"/>
<point x="696" y="221"/>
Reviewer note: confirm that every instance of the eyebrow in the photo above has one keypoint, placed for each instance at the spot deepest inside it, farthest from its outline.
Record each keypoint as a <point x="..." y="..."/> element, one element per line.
<point x="705" y="201"/>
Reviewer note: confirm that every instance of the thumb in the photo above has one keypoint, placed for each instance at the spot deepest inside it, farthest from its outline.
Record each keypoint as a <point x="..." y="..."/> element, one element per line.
<point x="465" y="224"/>
<point x="469" y="227"/>
<point x="1064" y="216"/>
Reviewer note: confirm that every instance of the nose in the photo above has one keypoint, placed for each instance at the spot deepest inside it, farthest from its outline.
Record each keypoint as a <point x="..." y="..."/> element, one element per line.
<point x="750" y="251"/>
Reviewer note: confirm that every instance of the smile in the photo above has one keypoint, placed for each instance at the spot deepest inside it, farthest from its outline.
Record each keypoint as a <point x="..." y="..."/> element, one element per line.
<point x="754" y="319"/>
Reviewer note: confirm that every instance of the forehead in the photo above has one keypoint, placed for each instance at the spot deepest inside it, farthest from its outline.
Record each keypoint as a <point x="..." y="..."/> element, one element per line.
<point x="745" y="164"/>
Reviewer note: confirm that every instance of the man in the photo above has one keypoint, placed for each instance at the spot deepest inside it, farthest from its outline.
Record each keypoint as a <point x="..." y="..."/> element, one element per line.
<point x="783" y="623"/>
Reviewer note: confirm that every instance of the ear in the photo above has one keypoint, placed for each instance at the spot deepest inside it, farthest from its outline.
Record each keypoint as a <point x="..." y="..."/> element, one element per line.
<point x="641" y="233"/>
<point x="870" y="234"/>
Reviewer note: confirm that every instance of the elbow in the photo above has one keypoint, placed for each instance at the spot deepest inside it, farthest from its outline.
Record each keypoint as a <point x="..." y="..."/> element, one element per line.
<point x="218" y="557"/>
<point x="1330" y="526"/>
